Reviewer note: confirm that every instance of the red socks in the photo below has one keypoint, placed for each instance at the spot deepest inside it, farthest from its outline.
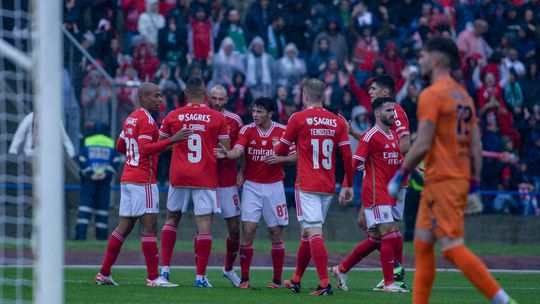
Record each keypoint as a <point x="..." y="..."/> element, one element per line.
<point x="320" y="258"/>
<point x="387" y="256"/>
<point x="278" y="259"/>
<point x="168" y="239"/>
<point x="361" y="251"/>
<point x="150" y="251"/>
<point x="113" y="249"/>
<point x="232" y="252"/>
<point x="302" y="259"/>
<point x="398" y="248"/>
<point x="246" y="254"/>
<point x="203" y="246"/>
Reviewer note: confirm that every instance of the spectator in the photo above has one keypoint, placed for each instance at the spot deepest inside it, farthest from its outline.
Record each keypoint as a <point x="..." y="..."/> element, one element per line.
<point x="359" y="124"/>
<point x="225" y="64"/>
<point x="127" y="92"/>
<point x="132" y="11"/>
<point x="362" y="17"/>
<point x="513" y="94"/>
<point x="319" y="58"/>
<point x="316" y="23"/>
<point x="172" y="46"/>
<point x="393" y="63"/>
<point x="259" y="69"/>
<point x="145" y="63"/>
<point x="103" y="34"/>
<point x="240" y="97"/>
<point x="335" y="81"/>
<point x="150" y="22"/>
<point x="163" y="75"/>
<point x="283" y="105"/>
<point x="512" y="61"/>
<point x="96" y="99"/>
<point x="338" y="44"/>
<point x="290" y="68"/>
<point x="296" y="14"/>
<point x="72" y="16"/>
<point x="344" y="11"/>
<point x="257" y="19"/>
<point x="525" y="44"/>
<point x="529" y="84"/>
<point x="181" y="12"/>
<point x="200" y="38"/>
<point x="470" y="40"/>
<point x="275" y="38"/>
<point x="365" y="52"/>
<point x="491" y="141"/>
<point x="165" y="6"/>
<point x="98" y="165"/>
<point x="407" y="12"/>
<point x="233" y="29"/>
<point x="114" y="57"/>
<point x="72" y="111"/>
<point x="532" y="158"/>
<point x="409" y="105"/>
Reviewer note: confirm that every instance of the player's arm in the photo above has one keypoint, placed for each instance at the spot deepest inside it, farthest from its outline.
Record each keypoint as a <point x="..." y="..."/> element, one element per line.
<point x="426" y="132"/>
<point x="476" y="155"/>
<point x="284" y="160"/>
<point x="288" y="138"/>
<point x="404" y="144"/>
<point x="148" y="147"/>
<point x="240" y="176"/>
<point x="222" y="152"/>
<point x="121" y="144"/>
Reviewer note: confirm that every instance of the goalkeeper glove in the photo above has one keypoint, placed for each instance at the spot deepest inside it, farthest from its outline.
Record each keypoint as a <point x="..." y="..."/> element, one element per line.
<point x="396" y="183"/>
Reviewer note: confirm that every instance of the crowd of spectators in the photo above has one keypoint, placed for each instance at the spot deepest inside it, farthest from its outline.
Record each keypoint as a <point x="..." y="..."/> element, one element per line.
<point x="266" y="48"/>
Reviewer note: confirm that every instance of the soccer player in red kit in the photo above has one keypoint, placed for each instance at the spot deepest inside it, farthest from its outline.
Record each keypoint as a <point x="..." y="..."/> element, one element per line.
<point x="317" y="133"/>
<point x="139" y="193"/>
<point x="263" y="192"/>
<point x="378" y="155"/>
<point x="193" y="175"/>
<point x="228" y="183"/>
<point x="384" y="86"/>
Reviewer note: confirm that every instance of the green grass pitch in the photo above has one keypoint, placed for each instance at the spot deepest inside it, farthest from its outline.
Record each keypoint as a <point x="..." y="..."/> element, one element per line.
<point x="450" y="287"/>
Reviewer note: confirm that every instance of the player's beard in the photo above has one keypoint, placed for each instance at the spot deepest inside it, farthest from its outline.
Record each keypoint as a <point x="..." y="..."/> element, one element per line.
<point x="216" y="108"/>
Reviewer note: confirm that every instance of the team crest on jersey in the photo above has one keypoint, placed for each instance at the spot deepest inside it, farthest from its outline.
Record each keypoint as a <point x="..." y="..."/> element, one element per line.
<point x="309" y="121"/>
<point x="385" y="215"/>
<point x="181" y="117"/>
<point x="264" y="142"/>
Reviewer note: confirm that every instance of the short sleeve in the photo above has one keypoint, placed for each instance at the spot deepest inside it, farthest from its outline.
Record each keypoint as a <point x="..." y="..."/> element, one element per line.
<point x="223" y="132"/>
<point x="428" y="107"/>
<point x="165" y="130"/>
<point x="401" y="122"/>
<point x="362" y="149"/>
<point x="343" y="138"/>
<point x="291" y="131"/>
<point x="242" y="139"/>
<point x="146" y="131"/>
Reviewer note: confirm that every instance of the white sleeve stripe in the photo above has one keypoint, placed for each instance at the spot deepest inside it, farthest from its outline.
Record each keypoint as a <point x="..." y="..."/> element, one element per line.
<point x="283" y="140"/>
<point x="358" y="157"/>
<point x="223" y="136"/>
<point x="145" y="137"/>
<point x="239" y="147"/>
<point x="344" y="143"/>
<point x="161" y="133"/>
<point x="292" y="152"/>
<point x="122" y="135"/>
<point x="403" y="134"/>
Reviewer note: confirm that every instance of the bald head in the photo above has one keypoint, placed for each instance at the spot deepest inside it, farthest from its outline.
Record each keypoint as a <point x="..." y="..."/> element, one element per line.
<point x="218" y="98"/>
<point x="150" y="96"/>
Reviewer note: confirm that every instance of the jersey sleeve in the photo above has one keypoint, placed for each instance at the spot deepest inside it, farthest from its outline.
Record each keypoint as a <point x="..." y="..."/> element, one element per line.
<point x="289" y="137"/>
<point x="121" y="143"/>
<point x="343" y="138"/>
<point x="401" y="122"/>
<point x="165" y="130"/>
<point x="223" y="131"/>
<point x="242" y="139"/>
<point x="362" y="149"/>
<point x="428" y="107"/>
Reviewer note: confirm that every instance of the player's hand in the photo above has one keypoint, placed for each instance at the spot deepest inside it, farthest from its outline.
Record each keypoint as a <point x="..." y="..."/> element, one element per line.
<point x="272" y="159"/>
<point x="220" y="152"/>
<point x="240" y="179"/>
<point x="396" y="183"/>
<point x="345" y="196"/>
<point x="183" y="134"/>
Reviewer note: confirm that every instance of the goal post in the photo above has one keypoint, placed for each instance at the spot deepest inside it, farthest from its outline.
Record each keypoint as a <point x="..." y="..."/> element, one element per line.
<point x="49" y="170"/>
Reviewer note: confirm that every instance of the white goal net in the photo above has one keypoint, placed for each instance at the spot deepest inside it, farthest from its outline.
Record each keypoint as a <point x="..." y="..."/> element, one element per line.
<point x="31" y="238"/>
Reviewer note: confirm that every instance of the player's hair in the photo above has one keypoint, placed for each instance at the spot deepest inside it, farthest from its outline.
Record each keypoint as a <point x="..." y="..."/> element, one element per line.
<point x="145" y="89"/>
<point x="446" y="47"/>
<point x="378" y="102"/>
<point x="387" y="82"/>
<point x="314" y="88"/>
<point x="265" y="103"/>
<point x="194" y="87"/>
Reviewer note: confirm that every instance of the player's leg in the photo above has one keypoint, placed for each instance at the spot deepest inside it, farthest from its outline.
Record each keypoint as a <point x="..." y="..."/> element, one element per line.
<point x="397" y="213"/>
<point x="302" y="261"/>
<point x="361" y="221"/>
<point x="424" y="251"/>
<point x="250" y="215"/>
<point x="449" y="214"/>
<point x="249" y="230"/>
<point x="177" y="202"/>
<point x="205" y="204"/>
<point x="388" y="238"/>
<point x="314" y="207"/>
<point x="230" y="211"/>
<point x="276" y="216"/>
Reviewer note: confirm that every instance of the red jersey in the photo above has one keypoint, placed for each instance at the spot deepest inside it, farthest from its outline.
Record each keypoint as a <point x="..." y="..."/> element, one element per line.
<point x="379" y="151"/>
<point x="401" y="124"/>
<point x="227" y="167"/>
<point x="139" y="129"/>
<point x="317" y="132"/>
<point x="193" y="162"/>
<point x="256" y="144"/>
